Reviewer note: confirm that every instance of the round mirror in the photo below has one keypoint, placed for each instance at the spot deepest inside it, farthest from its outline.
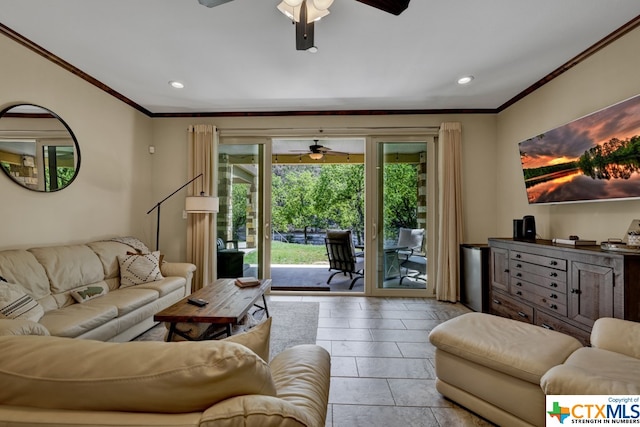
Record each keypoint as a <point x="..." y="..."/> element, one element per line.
<point x="37" y="148"/>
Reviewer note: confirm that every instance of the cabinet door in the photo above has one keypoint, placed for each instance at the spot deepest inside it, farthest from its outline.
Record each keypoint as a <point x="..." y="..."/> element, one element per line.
<point x="500" y="269"/>
<point x="590" y="292"/>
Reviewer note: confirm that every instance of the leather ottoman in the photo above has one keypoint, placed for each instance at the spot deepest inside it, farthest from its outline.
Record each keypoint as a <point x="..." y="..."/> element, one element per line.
<point x="493" y="365"/>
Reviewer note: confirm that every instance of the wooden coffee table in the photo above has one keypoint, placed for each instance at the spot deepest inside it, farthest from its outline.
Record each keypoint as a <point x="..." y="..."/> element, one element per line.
<point x="228" y="304"/>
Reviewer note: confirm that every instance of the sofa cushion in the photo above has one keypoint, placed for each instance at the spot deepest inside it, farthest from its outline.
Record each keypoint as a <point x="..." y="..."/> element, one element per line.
<point x="164" y="286"/>
<point x="77" y="319"/>
<point x="126" y="300"/>
<point x="20" y="266"/>
<point x="256" y="339"/>
<point x="108" y="252"/>
<point x="69" y="267"/>
<point x="594" y="371"/>
<point x="15" y="303"/>
<point x="87" y="293"/>
<point x="515" y="348"/>
<point x="138" y="269"/>
<point x="132" y="376"/>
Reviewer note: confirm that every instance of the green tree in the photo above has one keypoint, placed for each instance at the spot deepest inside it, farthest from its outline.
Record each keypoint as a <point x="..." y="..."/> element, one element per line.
<point x="239" y="194"/>
<point x="292" y="198"/>
<point x="339" y="197"/>
<point x="400" y="197"/>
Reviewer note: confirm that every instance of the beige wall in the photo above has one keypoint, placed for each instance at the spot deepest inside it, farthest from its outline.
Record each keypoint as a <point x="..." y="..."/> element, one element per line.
<point x="605" y="78"/>
<point x="111" y="194"/>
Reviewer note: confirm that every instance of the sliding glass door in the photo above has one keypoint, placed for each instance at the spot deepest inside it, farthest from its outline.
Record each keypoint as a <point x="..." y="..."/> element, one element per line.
<point x="404" y="209"/>
<point x="241" y="218"/>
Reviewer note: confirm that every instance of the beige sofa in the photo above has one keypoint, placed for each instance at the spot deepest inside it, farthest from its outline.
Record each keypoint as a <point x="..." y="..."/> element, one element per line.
<point x="81" y="291"/>
<point x="52" y="381"/>
<point x="491" y="365"/>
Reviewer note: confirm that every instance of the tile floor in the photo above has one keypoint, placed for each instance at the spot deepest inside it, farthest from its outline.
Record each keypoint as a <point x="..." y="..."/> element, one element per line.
<point x="382" y="371"/>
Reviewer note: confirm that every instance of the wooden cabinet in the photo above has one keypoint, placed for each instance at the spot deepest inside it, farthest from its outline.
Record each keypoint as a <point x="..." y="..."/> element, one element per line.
<point x="563" y="288"/>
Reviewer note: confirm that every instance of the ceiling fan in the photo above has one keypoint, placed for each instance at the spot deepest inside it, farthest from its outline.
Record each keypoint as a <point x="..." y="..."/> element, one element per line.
<point x="305" y="13"/>
<point x="317" y="151"/>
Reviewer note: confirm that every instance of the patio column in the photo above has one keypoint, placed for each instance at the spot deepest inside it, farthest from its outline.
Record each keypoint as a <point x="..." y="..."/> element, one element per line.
<point x="225" y="181"/>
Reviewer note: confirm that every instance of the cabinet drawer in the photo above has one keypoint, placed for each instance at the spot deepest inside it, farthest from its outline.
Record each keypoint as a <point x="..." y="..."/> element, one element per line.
<point x="528" y="279"/>
<point x="506" y="306"/>
<point x="520" y="269"/>
<point x="557" y="263"/>
<point x="549" y="322"/>
<point x="556" y="302"/>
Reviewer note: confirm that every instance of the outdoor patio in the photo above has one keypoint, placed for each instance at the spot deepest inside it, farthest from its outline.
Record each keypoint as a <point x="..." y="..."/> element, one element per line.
<point x="314" y="278"/>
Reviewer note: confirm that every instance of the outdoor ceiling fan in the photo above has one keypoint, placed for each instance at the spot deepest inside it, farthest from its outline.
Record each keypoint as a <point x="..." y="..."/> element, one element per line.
<point x="304" y="13"/>
<point x="317" y="151"/>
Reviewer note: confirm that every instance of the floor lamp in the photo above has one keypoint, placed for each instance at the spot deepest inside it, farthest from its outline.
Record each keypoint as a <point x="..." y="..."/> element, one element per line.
<point x="193" y="204"/>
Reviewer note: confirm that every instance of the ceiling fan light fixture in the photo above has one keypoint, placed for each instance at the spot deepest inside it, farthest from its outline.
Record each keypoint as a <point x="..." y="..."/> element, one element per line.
<point x="293" y="12"/>
<point x="315" y="156"/>
<point x="322" y="4"/>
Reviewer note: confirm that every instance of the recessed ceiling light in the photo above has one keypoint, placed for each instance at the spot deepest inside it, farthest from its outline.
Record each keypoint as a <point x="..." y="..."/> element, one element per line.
<point x="176" y="85"/>
<point x="465" y="80"/>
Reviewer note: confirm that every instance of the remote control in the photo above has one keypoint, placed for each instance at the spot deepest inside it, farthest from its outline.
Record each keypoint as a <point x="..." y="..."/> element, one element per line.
<point x="198" y="301"/>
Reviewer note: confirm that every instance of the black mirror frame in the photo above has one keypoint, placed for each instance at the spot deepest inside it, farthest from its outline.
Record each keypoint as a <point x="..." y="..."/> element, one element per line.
<point x="50" y="114"/>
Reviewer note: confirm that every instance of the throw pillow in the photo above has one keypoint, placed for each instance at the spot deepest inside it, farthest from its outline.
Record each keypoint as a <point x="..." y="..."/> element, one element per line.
<point x="138" y="269"/>
<point x="142" y="253"/>
<point x="255" y="339"/>
<point x="15" y="303"/>
<point x="87" y="293"/>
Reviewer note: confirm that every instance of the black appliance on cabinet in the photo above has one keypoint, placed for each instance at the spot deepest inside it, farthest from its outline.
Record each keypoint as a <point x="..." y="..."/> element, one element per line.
<point x="474" y="276"/>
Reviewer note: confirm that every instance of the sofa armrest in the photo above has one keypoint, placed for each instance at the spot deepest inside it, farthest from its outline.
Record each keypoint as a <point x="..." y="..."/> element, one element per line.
<point x="21" y="327"/>
<point x="619" y="336"/>
<point x="302" y="375"/>
<point x="180" y="269"/>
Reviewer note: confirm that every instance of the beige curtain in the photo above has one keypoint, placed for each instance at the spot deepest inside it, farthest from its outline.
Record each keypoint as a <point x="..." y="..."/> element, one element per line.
<point x="201" y="248"/>
<point x="450" y="211"/>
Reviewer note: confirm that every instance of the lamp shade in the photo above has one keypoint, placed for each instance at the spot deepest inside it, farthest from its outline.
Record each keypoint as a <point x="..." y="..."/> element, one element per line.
<point x="201" y="204"/>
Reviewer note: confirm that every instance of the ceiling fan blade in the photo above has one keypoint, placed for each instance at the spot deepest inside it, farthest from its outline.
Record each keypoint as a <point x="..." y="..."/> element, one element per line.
<point x="213" y="3"/>
<point x="395" y="7"/>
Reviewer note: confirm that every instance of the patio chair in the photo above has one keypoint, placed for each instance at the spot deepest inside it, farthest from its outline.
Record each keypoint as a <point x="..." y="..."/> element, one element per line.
<point x="413" y="258"/>
<point x="230" y="260"/>
<point x="342" y="255"/>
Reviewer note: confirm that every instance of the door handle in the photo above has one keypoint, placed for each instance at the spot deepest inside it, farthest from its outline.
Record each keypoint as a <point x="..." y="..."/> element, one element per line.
<point x="267" y="233"/>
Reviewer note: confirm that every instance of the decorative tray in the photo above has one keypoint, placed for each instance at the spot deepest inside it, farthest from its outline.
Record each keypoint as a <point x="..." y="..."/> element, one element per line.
<point x="619" y="247"/>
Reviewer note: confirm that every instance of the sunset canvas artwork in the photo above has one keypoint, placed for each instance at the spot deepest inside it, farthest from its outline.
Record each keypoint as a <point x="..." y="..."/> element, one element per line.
<point x="596" y="157"/>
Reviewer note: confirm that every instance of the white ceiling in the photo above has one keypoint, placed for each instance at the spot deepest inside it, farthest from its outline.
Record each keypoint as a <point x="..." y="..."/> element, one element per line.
<point x="241" y="56"/>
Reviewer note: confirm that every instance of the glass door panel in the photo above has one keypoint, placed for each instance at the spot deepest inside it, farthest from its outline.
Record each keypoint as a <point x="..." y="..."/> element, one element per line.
<point x="403" y="216"/>
<point x="240" y="190"/>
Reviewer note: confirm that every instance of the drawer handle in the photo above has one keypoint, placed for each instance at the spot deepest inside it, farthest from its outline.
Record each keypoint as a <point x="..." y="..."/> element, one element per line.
<point x="518" y="274"/>
<point x="554" y="263"/>
<point x="518" y="283"/>
<point x="518" y="265"/>
<point x="506" y="270"/>
<point x="554" y="296"/>
<point x="554" y="275"/>
<point x="519" y="293"/>
<point x="553" y="285"/>
<point x="495" y="301"/>
<point x="518" y="256"/>
<point x="575" y="291"/>
<point x="553" y="306"/>
<point x="521" y="314"/>
<point x="544" y="325"/>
